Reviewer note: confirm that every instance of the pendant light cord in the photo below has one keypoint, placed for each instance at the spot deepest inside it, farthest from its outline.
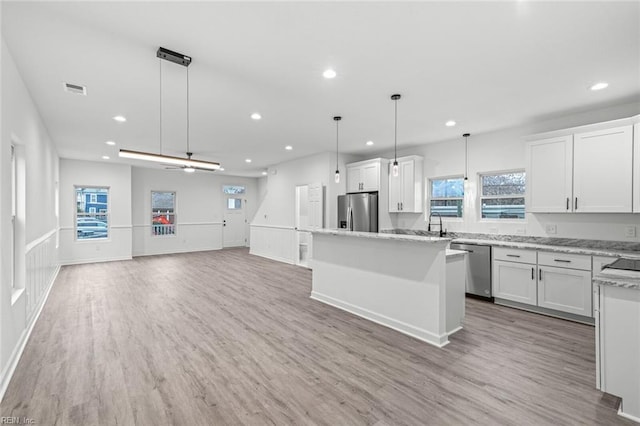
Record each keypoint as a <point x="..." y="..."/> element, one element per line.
<point x="466" y="155"/>
<point x="395" y="131"/>
<point x="188" y="150"/>
<point x="160" y="96"/>
<point x="337" y="122"/>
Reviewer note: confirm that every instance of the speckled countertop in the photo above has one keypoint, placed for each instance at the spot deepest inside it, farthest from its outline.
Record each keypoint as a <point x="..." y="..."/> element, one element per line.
<point x="618" y="278"/>
<point x="383" y="236"/>
<point x="560" y="245"/>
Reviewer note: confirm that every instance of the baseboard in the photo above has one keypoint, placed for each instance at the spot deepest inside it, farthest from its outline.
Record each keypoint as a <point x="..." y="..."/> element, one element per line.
<point x="545" y="311"/>
<point x="404" y="328"/>
<point x="160" y="253"/>
<point x="627" y="416"/>
<point x="276" y="258"/>
<point x="24" y="338"/>
<point x="98" y="260"/>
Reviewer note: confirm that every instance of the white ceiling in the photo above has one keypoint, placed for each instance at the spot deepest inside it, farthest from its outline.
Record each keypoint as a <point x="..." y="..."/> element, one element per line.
<point x="487" y="65"/>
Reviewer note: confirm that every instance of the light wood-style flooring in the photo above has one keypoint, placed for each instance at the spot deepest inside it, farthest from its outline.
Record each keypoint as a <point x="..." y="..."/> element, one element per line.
<point x="226" y="338"/>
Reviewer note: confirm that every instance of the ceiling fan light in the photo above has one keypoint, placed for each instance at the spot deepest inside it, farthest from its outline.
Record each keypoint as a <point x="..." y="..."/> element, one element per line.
<point x="167" y="159"/>
<point x="189" y="169"/>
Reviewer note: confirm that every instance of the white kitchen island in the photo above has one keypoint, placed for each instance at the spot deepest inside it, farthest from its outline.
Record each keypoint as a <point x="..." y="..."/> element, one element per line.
<point x="405" y="282"/>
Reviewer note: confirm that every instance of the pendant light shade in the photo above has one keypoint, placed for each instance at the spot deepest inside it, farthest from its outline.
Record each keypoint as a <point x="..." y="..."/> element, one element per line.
<point x="466" y="155"/>
<point x="394" y="169"/>
<point x="337" y="120"/>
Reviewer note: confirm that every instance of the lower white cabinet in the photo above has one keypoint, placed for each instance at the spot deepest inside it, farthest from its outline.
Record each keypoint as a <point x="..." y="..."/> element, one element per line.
<point x="566" y="290"/>
<point x="515" y="281"/>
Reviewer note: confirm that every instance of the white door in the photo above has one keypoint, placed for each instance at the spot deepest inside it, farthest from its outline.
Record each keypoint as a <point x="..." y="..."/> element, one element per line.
<point x="602" y="171"/>
<point x="395" y="189"/>
<point x="354" y="179"/>
<point x="549" y="175"/>
<point x="408" y="197"/>
<point x="371" y="177"/>
<point x="567" y="290"/>
<point x="234" y="221"/>
<point x="515" y="281"/>
<point x="309" y="216"/>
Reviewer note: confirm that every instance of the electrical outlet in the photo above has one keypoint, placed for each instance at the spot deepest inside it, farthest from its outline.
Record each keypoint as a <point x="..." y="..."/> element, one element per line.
<point x="630" y="231"/>
<point x="493" y="230"/>
<point x="521" y="231"/>
<point x="551" y="229"/>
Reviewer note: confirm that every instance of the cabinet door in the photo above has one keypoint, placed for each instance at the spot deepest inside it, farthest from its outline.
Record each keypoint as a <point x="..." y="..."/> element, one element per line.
<point x="549" y="174"/>
<point x="407" y="173"/>
<point x="636" y="168"/>
<point x="395" y="189"/>
<point x="567" y="290"/>
<point x="354" y="179"/>
<point x="371" y="177"/>
<point x="602" y="171"/>
<point x="514" y="281"/>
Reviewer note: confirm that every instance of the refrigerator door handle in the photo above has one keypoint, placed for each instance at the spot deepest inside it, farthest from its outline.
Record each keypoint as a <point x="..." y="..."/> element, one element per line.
<point x="349" y="219"/>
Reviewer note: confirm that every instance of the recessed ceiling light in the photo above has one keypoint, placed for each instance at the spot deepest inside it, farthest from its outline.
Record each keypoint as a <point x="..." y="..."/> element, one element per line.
<point x="288" y="147"/>
<point x="450" y="123"/>
<point x="599" y="86"/>
<point x="248" y="160"/>
<point x="110" y="143"/>
<point x="369" y="143"/>
<point x="105" y="157"/>
<point x="120" y="118"/>
<point x="264" y="173"/>
<point x="329" y="73"/>
<point x="256" y="116"/>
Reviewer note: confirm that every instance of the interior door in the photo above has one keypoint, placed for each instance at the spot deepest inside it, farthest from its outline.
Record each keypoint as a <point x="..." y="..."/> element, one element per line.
<point x="234" y="222"/>
<point x="309" y="216"/>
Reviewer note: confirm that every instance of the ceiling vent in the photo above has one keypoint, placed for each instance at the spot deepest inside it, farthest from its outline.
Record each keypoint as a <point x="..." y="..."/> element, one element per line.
<point x="74" y="88"/>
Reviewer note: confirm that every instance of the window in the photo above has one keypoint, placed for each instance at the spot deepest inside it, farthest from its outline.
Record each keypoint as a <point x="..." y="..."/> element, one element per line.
<point x="502" y="195"/>
<point x="234" y="203"/>
<point x="163" y="213"/>
<point x="233" y="189"/>
<point x="91" y="225"/>
<point x="14" y="210"/>
<point x="446" y="196"/>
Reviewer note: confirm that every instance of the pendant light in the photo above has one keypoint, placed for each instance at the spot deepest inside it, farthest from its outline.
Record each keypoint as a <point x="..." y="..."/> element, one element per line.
<point x="394" y="169"/>
<point x="466" y="155"/>
<point x="188" y="164"/>
<point x="337" y="120"/>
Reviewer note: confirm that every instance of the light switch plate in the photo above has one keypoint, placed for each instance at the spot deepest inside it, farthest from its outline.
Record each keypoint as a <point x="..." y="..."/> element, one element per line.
<point x="630" y="231"/>
<point x="551" y="229"/>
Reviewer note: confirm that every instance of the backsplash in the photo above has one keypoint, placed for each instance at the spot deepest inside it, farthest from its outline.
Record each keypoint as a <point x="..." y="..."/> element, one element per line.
<point x="563" y="242"/>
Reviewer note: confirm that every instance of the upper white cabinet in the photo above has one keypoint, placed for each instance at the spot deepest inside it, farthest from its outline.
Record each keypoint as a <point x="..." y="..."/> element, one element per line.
<point x="584" y="172"/>
<point x="405" y="190"/>
<point x="602" y="171"/>
<point x="364" y="176"/>
<point x="636" y="168"/>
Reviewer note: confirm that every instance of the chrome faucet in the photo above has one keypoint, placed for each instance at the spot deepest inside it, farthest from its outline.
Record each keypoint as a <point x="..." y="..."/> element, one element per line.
<point x="442" y="232"/>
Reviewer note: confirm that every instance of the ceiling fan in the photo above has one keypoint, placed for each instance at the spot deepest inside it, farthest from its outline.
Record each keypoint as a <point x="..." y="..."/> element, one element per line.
<point x="187" y="168"/>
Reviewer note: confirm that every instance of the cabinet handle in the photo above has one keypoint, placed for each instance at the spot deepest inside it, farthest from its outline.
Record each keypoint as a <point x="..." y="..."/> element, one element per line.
<point x="562" y="260"/>
<point x="513" y="255"/>
<point x="401" y="206"/>
<point x="575" y="207"/>
<point x="567" y="203"/>
<point x="533" y="276"/>
<point x="540" y="274"/>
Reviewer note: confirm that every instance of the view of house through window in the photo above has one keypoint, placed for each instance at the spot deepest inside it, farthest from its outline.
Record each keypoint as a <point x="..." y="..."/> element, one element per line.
<point x="233" y="189"/>
<point x="502" y="195"/>
<point x="446" y="196"/>
<point x="163" y="213"/>
<point x="92" y="212"/>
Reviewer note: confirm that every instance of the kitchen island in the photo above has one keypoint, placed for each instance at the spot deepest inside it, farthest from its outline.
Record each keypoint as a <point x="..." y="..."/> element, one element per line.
<point x="405" y="282"/>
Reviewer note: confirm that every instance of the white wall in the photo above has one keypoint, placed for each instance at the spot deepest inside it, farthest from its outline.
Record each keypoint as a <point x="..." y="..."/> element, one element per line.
<point x="117" y="177"/>
<point x="22" y="126"/>
<point x="505" y="150"/>
<point x="200" y="206"/>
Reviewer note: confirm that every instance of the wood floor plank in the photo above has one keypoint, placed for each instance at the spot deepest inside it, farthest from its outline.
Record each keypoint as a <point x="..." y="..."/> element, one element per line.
<point x="223" y="337"/>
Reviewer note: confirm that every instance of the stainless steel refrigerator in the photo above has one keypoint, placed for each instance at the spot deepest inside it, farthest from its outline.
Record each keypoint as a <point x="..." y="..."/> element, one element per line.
<point x="358" y="212"/>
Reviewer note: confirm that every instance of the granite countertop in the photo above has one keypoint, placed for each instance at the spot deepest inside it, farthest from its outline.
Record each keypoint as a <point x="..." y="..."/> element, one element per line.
<point x="628" y="250"/>
<point x="618" y="278"/>
<point x="382" y="236"/>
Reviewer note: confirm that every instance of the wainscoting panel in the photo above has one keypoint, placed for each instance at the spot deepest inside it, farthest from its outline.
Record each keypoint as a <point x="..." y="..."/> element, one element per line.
<point x="274" y="242"/>
<point x="41" y="266"/>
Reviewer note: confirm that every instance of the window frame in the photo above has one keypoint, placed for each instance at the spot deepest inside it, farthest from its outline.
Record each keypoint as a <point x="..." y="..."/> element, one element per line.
<point x="430" y="198"/>
<point x="174" y="214"/>
<point x="495" y="197"/>
<point x="107" y="213"/>
<point x="14" y="214"/>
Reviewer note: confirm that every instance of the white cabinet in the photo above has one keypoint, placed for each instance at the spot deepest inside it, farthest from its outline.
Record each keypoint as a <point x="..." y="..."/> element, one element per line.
<point x="636" y="168"/>
<point x="602" y="171"/>
<point x="364" y="176"/>
<point x="584" y="172"/>
<point x="549" y="175"/>
<point x="514" y="275"/>
<point x="405" y="190"/>
<point x="564" y="289"/>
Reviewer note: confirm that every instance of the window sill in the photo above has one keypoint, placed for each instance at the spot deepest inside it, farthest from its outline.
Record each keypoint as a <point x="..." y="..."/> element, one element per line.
<point x="517" y="221"/>
<point x="16" y="293"/>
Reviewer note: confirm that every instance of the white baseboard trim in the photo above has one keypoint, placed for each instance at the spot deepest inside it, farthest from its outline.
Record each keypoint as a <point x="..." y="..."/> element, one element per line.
<point x="276" y="258"/>
<point x="627" y="416"/>
<point x="455" y="330"/>
<point x="5" y="379"/>
<point x="402" y="327"/>
<point x="97" y="260"/>
<point x="159" y="253"/>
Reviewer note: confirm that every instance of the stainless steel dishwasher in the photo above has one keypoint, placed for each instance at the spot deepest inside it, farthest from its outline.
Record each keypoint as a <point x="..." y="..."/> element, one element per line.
<point x="478" y="276"/>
